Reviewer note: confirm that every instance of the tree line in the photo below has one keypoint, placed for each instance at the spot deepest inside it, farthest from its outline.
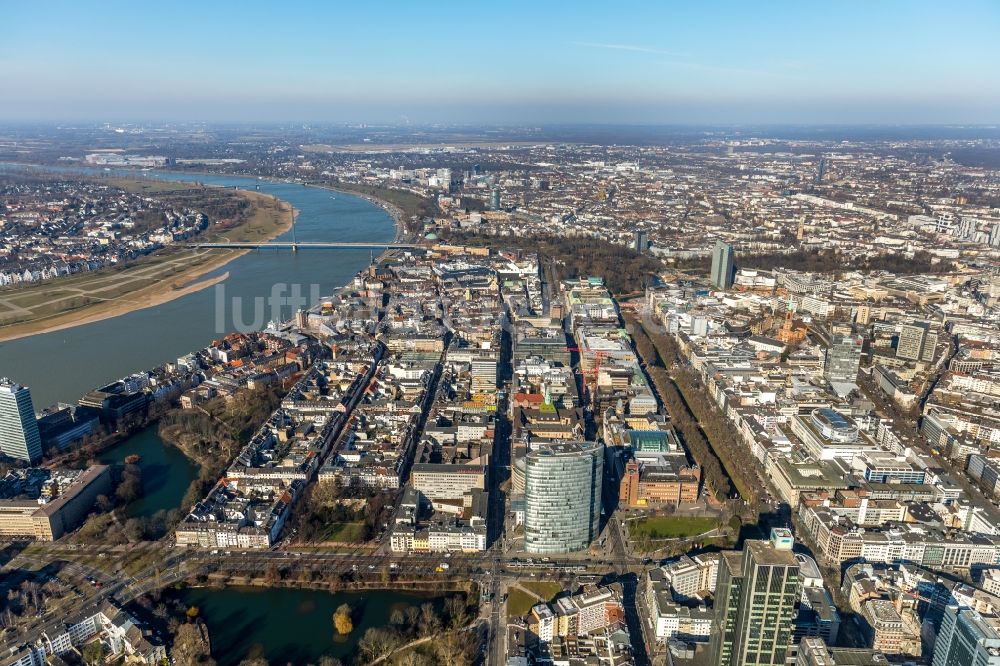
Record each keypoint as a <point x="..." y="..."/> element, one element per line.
<point x="321" y="506"/>
<point x="213" y="433"/>
<point x="624" y="270"/>
<point x="450" y="645"/>
<point x="701" y="416"/>
<point x="714" y="475"/>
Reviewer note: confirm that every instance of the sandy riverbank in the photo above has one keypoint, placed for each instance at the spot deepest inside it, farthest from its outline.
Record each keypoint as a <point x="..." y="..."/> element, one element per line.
<point x="115" y="308"/>
<point x="178" y="285"/>
<point x="184" y="283"/>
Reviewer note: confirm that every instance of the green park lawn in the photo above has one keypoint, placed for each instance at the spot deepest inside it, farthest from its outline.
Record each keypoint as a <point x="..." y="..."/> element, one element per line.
<point x="344" y="533"/>
<point x="519" y="601"/>
<point x="670" y="527"/>
<point x="546" y="589"/>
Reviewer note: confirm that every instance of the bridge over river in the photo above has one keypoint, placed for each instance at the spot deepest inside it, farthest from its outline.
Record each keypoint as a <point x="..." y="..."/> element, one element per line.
<point x="292" y="245"/>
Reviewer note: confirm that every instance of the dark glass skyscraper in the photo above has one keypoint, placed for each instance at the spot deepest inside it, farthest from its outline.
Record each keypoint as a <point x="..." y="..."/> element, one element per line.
<point x="966" y="638"/>
<point x="755" y="603"/>
<point x="641" y="241"/>
<point x="722" y="265"/>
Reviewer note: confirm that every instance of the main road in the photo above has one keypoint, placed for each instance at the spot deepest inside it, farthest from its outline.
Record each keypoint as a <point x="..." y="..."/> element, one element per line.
<point x="499" y="472"/>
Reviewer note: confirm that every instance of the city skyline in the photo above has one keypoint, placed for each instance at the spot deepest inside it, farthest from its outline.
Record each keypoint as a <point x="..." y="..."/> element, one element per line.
<point x="618" y="334"/>
<point x="787" y="63"/>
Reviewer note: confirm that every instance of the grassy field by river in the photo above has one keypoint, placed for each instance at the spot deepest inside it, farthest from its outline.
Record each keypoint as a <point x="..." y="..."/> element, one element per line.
<point x="160" y="277"/>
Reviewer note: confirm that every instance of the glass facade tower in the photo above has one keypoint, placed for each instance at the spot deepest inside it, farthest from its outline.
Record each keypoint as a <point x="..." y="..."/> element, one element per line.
<point x="722" y="265"/>
<point x="562" y="496"/>
<point x="843" y="359"/>
<point x="19" y="436"/>
<point x="966" y="638"/>
<point x="755" y="603"/>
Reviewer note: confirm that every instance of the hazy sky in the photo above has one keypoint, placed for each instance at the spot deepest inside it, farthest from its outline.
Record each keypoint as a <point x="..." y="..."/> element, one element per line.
<point x="470" y="61"/>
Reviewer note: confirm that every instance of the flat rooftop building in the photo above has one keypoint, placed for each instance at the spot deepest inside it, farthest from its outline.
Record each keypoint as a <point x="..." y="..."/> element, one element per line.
<point x="44" y="504"/>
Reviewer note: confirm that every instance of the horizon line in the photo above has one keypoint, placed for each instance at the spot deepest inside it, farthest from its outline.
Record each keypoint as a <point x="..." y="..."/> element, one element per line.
<point x="493" y="124"/>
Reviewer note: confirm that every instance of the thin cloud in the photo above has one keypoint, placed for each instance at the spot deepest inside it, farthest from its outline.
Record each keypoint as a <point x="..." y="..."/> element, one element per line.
<point x="682" y="62"/>
<point x="741" y="71"/>
<point x="625" y="47"/>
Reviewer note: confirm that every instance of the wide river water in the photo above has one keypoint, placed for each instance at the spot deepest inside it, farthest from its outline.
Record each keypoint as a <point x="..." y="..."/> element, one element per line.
<point x="287" y="626"/>
<point x="65" y="364"/>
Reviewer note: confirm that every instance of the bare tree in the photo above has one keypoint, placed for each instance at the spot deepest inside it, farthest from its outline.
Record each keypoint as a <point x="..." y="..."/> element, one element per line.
<point x="455" y="648"/>
<point x="430" y="623"/>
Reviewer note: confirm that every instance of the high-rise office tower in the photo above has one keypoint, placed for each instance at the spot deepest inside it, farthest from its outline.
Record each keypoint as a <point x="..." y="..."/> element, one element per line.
<point x="843" y="359"/>
<point x="821" y="170"/>
<point x="755" y="603"/>
<point x="18" y="427"/>
<point x="722" y="265"/>
<point x="930" y="343"/>
<point x="562" y="496"/>
<point x="495" y="199"/>
<point x="916" y="342"/>
<point x="863" y="314"/>
<point x="966" y="638"/>
<point x="641" y="241"/>
<point x="966" y="229"/>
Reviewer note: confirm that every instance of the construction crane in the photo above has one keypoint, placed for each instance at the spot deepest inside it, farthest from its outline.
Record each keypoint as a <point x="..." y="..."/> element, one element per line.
<point x="595" y="371"/>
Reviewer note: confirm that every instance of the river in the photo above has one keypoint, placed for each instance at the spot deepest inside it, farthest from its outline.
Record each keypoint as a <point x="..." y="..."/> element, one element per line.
<point x="65" y="364"/>
<point x="289" y="626"/>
